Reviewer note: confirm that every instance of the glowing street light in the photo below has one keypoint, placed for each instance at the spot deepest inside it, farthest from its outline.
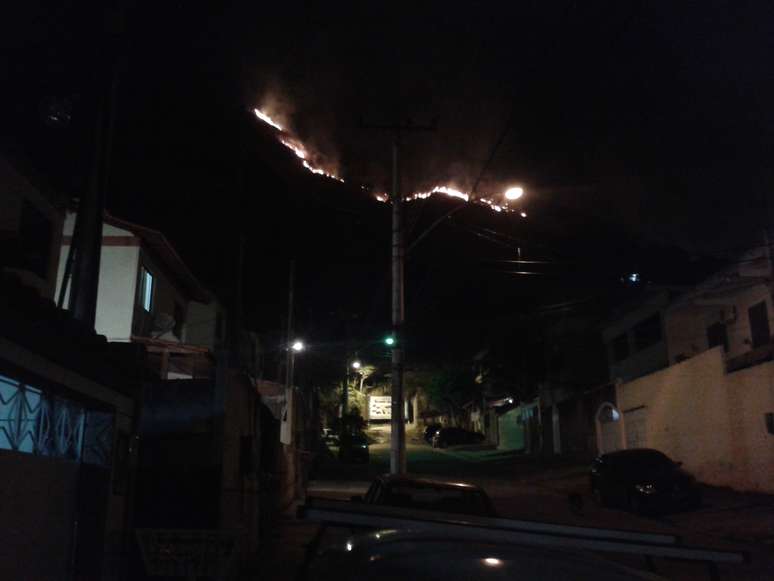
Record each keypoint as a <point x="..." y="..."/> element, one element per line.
<point x="297" y="346"/>
<point x="356" y="365"/>
<point x="514" y="193"/>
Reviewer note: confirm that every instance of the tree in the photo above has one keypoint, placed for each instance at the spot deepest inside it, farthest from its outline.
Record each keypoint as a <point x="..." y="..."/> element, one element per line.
<point x="450" y="387"/>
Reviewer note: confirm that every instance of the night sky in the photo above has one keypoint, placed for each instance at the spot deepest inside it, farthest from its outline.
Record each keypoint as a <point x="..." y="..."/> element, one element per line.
<point x="635" y="127"/>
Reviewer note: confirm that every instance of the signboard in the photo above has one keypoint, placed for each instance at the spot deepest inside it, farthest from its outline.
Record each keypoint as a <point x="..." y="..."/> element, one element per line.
<point x="379" y="407"/>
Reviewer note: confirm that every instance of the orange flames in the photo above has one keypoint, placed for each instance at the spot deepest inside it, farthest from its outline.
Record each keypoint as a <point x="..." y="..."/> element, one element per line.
<point x="295" y="146"/>
<point x="452" y="193"/>
<point x="301" y="152"/>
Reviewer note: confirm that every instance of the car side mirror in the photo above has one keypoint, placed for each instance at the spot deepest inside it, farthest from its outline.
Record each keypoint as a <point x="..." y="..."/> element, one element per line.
<point x="356" y="498"/>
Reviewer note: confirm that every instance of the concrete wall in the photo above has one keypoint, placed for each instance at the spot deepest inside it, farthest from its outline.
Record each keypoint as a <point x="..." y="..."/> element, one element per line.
<point x="37" y="515"/>
<point x="239" y="501"/>
<point x="117" y="281"/>
<point x="201" y="327"/>
<point x="711" y="421"/>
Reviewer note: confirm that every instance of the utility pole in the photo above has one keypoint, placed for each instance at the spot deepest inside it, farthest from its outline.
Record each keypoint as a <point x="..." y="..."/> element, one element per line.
<point x="397" y="421"/>
<point x="398" y="426"/>
<point x="289" y="357"/>
<point x="83" y="261"/>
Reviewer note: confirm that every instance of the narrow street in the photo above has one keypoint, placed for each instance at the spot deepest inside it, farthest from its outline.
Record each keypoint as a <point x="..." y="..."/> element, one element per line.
<point x="538" y="489"/>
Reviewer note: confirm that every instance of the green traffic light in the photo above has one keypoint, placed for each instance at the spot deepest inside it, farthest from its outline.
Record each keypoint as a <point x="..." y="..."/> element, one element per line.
<point x="389" y="340"/>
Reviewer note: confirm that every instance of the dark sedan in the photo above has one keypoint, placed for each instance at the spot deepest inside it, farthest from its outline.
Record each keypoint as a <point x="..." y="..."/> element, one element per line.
<point x="430" y="432"/>
<point x="456" y="437"/>
<point x="642" y="480"/>
<point x="424" y="494"/>
<point x="354" y="448"/>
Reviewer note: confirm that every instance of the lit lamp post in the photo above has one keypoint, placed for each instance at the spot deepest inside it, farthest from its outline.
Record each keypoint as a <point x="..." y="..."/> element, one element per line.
<point x="296" y="347"/>
<point x="396" y="340"/>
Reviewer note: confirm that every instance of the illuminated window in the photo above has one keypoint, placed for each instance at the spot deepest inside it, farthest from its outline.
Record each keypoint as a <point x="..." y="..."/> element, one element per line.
<point x="146" y="289"/>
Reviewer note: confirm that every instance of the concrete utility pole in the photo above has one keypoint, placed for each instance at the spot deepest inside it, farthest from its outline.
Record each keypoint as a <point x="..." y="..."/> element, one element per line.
<point x="290" y="355"/>
<point x="398" y="426"/>
<point x="397" y="421"/>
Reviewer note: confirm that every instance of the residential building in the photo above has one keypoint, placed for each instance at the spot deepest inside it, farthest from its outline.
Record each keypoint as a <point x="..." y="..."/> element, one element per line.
<point x="712" y="406"/>
<point x="30" y="230"/>
<point x="144" y="294"/>
<point x="68" y="410"/>
<point x="144" y="286"/>
<point x="634" y="337"/>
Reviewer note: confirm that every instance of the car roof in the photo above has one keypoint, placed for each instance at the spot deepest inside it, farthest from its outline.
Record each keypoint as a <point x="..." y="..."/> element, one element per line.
<point x="633" y="452"/>
<point x="429" y="482"/>
<point x="456" y="557"/>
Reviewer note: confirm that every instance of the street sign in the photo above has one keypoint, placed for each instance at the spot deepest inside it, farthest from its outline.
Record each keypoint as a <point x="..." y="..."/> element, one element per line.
<point x="379" y="407"/>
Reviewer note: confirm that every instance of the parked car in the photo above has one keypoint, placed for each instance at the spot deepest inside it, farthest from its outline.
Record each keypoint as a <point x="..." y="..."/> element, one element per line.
<point x="430" y="432"/>
<point x="456" y="436"/>
<point x="416" y="555"/>
<point x="642" y="480"/>
<point x="407" y="492"/>
<point x="330" y="437"/>
<point x="353" y="448"/>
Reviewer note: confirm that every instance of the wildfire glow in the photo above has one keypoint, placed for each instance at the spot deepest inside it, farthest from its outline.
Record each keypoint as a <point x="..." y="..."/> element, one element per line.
<point x="452" y="193"/>
<point x="266" y="119"/>
<point x="295" y="146"/>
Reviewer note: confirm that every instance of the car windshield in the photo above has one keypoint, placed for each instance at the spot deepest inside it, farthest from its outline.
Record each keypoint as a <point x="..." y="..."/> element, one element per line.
<point x="437" y="498"/>
<point x="643" y="463"/>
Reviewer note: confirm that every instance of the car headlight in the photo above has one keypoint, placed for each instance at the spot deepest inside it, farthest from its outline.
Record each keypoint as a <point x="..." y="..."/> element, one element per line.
<point x="646" y="489"/>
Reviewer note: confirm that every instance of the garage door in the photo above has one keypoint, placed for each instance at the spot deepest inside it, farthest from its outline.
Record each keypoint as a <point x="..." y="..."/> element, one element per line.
<point x="635" y="423"/>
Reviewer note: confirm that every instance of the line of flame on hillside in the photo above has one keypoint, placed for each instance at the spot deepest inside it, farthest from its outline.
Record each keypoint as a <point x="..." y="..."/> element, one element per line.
<point x="295" y="146"/>
<point x="301" y="152"/>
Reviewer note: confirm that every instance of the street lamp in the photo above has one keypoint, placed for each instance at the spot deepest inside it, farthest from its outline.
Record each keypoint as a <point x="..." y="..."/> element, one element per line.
<point x="356" y="365"/>
<point x="514" y="193"/>
<point x="297" y="346"/>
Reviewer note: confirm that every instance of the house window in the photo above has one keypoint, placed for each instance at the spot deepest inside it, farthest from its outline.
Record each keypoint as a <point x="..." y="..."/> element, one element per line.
<point x="179" y="316"/>
<point x="768" y="417"/>
<point x="218" y="325"/>
<point x="648" y="332"/>
<point x="146" y="289"/>
<point x="717" y="334"/>
<point x="620" y="347"/>
<point x="759" y="324"/>
<point x="35" y="236"/>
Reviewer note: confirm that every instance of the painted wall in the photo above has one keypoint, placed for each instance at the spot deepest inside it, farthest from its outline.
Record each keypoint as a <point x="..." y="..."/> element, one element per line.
<point x="201" y="326"/>
<point x="712" y="421"/>
<point x="117" y="282"/>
